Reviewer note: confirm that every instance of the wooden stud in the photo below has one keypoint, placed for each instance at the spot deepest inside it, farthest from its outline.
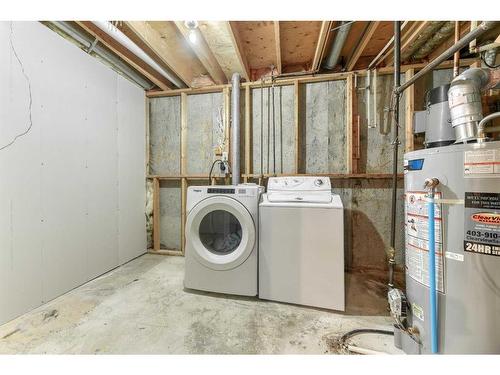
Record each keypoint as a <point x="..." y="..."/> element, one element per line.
<point x="183" y="168"/>
<point x="360" y="48"/>
<point x="296" y="114"/>
<point x="266" y="175"/>
<point x="321" y="45"/>
<point x="407" y="39"/>
<point x="129" y="57"/>
<point x="156" y="214"/>
<point x="409" y="110"/>
<point x="203" y="52"/>
<point x="349" y="123"/>
<point x="277" y="45"/>
<point x="248" y="131"/>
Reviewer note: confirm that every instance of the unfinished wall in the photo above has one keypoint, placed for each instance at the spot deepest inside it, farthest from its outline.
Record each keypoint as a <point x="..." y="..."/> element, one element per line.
<point x="323" y="150"/>
<point x="72" y="194"/>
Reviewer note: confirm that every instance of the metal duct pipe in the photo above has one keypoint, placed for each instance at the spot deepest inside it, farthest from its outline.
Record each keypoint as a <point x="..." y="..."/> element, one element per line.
<point x="481" y="29"/>
<point x="235" y="128"/>
<point x="102" y="53"/>
<point x="464" y="99"/>
<point x="333" y="58"/>
<point x="121" y="38"/>
<point x="395" y="145"/>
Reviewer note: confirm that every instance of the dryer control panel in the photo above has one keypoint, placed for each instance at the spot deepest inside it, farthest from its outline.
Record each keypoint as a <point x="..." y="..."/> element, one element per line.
<point x="299" y="183"/>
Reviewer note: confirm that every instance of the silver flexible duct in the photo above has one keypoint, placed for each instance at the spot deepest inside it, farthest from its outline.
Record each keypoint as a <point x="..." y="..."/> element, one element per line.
<point x="333" y="58"/>
<point x="464" y="99"/>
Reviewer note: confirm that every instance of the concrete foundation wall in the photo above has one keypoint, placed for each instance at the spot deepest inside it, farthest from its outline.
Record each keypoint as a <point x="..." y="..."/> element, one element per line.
<point x="72" y="191"/>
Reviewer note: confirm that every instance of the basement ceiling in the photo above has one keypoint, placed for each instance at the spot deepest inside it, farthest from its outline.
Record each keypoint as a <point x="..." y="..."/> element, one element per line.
<point x="258" y="49"/>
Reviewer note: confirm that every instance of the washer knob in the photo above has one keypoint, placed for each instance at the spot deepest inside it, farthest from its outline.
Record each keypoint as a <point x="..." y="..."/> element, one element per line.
<point x="318" y="182"/>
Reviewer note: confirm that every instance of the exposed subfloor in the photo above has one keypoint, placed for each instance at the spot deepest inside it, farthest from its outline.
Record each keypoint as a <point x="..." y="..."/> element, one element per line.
<point x="142" y="308"/>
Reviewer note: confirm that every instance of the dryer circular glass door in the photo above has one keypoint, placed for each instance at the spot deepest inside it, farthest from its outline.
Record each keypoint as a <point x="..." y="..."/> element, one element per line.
<point x="220" y="232"/>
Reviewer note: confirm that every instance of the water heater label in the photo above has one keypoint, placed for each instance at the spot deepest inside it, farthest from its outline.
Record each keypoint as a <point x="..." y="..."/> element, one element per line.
<point x="478" y="163"/>
<point x="482" y="223"/>
<point x="417" y="238"/>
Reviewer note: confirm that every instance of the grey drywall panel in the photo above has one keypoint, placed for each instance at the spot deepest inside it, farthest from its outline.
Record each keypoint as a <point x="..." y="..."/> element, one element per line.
<point x="204" y="111"/>
<point x="20" y="206"/>
<point x="60" y="181"/>
<point x="283" y="121"/>
<point x="170" y="215"/>
<point x="325" y="142"/>
<point x="164" y="135"/>
<point x="131" y="171"/>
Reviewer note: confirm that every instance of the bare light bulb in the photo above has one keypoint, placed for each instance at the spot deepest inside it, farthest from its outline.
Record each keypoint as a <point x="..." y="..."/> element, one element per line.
<point x="192" y="36"/>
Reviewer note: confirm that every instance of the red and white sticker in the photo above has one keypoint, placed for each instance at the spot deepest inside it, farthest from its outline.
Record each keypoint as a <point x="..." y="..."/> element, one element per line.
<point x="482" y="162"/>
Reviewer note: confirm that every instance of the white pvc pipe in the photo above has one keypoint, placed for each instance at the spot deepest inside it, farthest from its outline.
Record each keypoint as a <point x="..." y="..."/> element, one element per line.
<point x="359" y="350"/>
<point x="121" y="38"/>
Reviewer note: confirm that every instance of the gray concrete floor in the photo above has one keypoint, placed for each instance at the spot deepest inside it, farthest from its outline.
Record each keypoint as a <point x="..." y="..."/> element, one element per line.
<point x="142" y="308"/>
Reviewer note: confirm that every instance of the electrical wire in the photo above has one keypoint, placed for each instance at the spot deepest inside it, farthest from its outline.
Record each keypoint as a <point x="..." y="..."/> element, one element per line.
<point x="485" y="63"/>
<point x="212" y="169"/>
<point x="29" y="90"/>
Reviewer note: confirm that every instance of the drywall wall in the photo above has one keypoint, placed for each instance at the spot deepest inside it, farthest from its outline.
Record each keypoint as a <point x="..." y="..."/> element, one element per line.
<point x="72" y="194"/>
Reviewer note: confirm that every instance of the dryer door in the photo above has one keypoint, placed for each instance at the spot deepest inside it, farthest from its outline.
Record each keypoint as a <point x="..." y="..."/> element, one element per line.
<point x="220" y="233"/>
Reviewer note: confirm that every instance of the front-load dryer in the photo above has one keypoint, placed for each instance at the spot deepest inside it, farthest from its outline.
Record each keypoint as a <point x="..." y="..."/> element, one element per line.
<point x="222" y="238"/>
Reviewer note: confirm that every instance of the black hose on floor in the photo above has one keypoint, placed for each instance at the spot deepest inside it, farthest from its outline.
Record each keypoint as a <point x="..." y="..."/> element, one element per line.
<point x="361" y="331"/>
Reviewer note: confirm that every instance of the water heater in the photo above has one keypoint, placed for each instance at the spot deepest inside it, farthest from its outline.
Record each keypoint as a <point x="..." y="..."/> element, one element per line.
<point x="467" y="249"/>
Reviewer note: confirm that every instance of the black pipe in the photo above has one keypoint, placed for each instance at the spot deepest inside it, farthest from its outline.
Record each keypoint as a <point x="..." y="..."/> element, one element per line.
<point x="395" y="145"/>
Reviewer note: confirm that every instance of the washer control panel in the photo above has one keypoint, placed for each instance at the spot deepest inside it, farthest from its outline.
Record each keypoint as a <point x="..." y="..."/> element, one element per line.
<point x="299" y="183"/>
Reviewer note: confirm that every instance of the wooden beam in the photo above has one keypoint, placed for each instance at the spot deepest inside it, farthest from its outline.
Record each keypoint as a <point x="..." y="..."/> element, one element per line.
<point x="238" y="46"/>
<point x="130" y="58"/>
<point x="156" y="214"/>
<point x="409" y="111"/>
<point x="266" y="175"/>
<point x="168" y="45"/>
<point x="277" y="45"/>
<point x="183" y="168"/>
<point x="321" y="45"/>
<point x="306" y="79"/>
<point x="360" y="48"/>
<point x="248" y="131"/>
<point x="203" y="52"/>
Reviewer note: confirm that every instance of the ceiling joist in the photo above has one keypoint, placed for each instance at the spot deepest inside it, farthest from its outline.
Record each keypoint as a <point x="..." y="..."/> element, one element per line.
<point x="358" y="51"/>
<point x="163" y="38"/>
<point x="129" y="57"/>
<point x="203" y="52"/>
<point x="277" y="44"/>
<point x="321" y="45"/>
<point x="238" y="47"/>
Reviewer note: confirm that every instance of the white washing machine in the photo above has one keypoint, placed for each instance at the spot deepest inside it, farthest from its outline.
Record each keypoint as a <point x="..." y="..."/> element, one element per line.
<point x="301" y="246"/>
<point x="222" y="238"/>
